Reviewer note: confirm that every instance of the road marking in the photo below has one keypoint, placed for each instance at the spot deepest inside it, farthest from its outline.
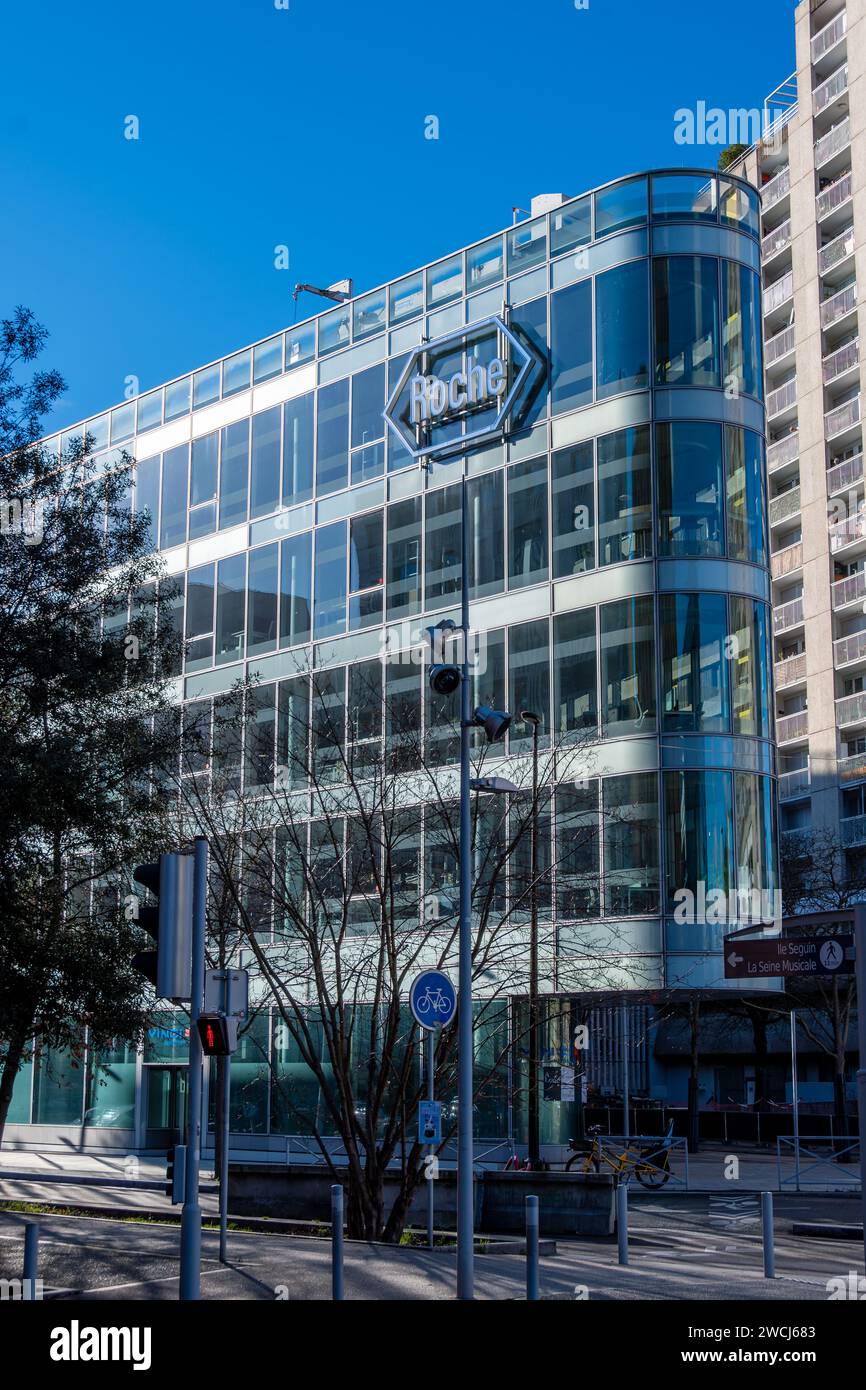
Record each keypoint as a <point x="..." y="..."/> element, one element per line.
<point x="163" y="1279"/>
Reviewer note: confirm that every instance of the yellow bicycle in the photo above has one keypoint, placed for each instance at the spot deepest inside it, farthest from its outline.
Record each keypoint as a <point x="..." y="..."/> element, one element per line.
<point x="650" y="1164"/>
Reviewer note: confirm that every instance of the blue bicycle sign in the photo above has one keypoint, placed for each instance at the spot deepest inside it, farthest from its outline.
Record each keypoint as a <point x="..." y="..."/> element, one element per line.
<point x="432" y="999"/>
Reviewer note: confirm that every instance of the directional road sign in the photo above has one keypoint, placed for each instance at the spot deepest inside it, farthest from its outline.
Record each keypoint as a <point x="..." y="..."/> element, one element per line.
<point x="789" y="956"/>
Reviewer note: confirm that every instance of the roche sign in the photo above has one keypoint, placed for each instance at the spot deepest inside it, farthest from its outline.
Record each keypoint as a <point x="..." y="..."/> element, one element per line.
<point x="460" y="389"/>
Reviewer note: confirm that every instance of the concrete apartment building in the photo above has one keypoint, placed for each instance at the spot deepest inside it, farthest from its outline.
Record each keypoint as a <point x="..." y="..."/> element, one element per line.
<point x="811" y="168"/>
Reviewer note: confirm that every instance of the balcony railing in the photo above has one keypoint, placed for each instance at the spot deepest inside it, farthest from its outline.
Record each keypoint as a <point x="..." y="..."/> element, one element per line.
<point x="851" y="589"/>
<point x="833" y="197"/>
<point x="830" y="144"/>
<point x="786" y="561"/>
<point x="785" y="505"/>
<point x="841" y="361"/>
<point x="777" y="293"/>
<point x="787" y="615"/>
<point x="845" y="474"/>
<point x="794" y="783"/>
<point x="844" y="417"/>
<point x="829" y="36"/>
<point x="790" y="671"/>
<point x="849" y="649"/>
<point x="827" y="92"/>
<point x="791" y="726"/>
<point x="851" y="709"/>
<point x="853" y="528"/>
<point x="853" y="830"/>
<point x="852" y="769"/>
<point x="838" y="305"/>
<point x="776" y="241"/>
<point x="782" y="398"/>
<point x="783" y="451"/>
<point x="779" y="345"/>
<point x="775" y="189"/>
<point x="836" y="250"/>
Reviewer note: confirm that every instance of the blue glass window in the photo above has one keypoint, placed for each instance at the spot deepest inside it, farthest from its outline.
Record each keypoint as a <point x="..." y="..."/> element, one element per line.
<point x="690" y="196"/>
<point x="368" y="314"/>
<point x="570" y="226"/>
<point x="330" y="580"/>
<point x="175" y="467"/>
<point x="334" y="329"/>
<point x="628" y="680"/>
<point x="623" y="205"/>
<point x="177" y="398"/>
<point x="332" y="445"/>
<point x="236" y="372"/>
<point x="268" y="359"/>
<point x="203" y="485"/>
<point x="262" y="601"/>
<point x="407" y="298"/>
<point x="404" y="558"/>
<point x="694" y="633"/>
<point x="298" y="450"/>
<point x="484" y="265"/>
<point x="234" y="471"/>
<point x="527" y="245"/>
<point x="625" y="506"/>
<point x="622" y="329"/>
<point x="265" y="463"/>
<point x="206" y="386"/>
<point x="230" y="614"/>
<point x="147" y="495"/>
<point x="150" y="411"/>
<point x="527" y="523"/>
<point x="741" y="317"/>
<point x="699" y="823"/>
<point x="199" y="617"/>
<point x="686" y="321"/>
<point x="571" y="347"/>
<point x="296" y="554"/>
<point x="746" y="513"/>
<point x="689" y="466"/>
<point x="573" y="511"/>
<point x="300" y="345"/>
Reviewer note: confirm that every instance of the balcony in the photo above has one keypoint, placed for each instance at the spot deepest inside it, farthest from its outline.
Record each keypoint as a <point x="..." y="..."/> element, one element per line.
<point x="844" y="475"/>
<point x="782" y="399"/>
<point x="831" y="144"/>
<point x="787" y="616"/>
<point x="796" y="783"/>
<point x="839" y="306"/>
<point x="785" y="505"/>
<point x="851" y="709"/>
<point x="779" y="346"/>
<point x="776" y="241"/>
<point x="792" y="727"/>
<point x="836" y="251"/>
<point x="839" y="363"/>
<point x="847" y="532"/>
<point x="851" y="589"/>
<point x="791" y="671"/>
<point x="848" y="650"/>
<point x="783" y="451"/>
<point x="776" y="189"/>
<point x="827" y="38"/>
<point x="832" y="198"/>
<point x="786" y="561"/>
<point x="853" y="830"/>
<point x="852" y="769"/>
<point x="827" y="92"/>
<point x="779" y="293"/>
<point x="842" y="418"/>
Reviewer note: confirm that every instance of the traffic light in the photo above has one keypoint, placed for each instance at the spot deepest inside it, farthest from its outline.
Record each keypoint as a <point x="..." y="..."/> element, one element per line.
<point x="169" y="967"/>
<point x="175" y="1173"/>
<point x="218" y="1034"/>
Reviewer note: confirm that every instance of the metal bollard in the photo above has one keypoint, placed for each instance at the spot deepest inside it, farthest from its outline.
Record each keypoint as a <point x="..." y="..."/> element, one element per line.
<point x="337" y="1242"/>
<point x="622" y="1222"/>
<point x="31" y="1259"/>
<point x="532" y="1249"/>
<point x="767" y="1230"/>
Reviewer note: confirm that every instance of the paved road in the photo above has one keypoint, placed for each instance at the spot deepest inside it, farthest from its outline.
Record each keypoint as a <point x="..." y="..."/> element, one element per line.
<point x="689" y="1248"/>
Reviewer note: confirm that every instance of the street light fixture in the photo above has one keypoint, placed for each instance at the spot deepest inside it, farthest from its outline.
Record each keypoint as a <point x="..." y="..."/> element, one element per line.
<point x="534" y="1136"/>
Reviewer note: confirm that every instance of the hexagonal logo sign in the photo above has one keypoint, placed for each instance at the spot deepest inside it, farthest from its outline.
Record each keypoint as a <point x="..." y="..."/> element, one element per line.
<point x="460" y="389"/>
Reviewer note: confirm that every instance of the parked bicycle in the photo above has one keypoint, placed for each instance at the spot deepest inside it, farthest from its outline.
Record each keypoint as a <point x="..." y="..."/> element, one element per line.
<point x="650" y="1164"/>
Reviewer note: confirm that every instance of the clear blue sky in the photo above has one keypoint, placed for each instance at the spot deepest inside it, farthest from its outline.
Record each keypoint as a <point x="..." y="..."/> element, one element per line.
<point x="305" y="127"/>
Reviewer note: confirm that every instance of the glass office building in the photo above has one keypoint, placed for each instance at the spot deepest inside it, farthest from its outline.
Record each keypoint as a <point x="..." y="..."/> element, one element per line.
<point x="618" y="556"/>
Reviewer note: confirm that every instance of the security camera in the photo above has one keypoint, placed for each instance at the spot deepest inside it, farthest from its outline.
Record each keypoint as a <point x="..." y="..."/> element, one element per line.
<point x="444" y="680"/>
<point x="494" y="722"/>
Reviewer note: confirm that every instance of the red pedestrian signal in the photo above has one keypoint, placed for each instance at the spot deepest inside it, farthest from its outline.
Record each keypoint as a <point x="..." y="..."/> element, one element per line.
<point x="218" y="1034"/>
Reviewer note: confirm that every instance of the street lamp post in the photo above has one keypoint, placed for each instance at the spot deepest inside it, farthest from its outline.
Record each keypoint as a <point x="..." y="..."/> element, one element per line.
<point x="534" y="1137"/>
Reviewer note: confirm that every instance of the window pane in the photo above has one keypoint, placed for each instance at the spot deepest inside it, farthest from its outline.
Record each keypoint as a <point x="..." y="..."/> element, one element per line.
<point x="150" y="411"/>
<point x="265" y="465"/>
<point x="625" y="510"/>
<point x="751" y="667"/>
<point x="234" y="468"/>
<point x="571" y="347"/>
<point x="366" y="709"/>
<point x="199" y="617"/>
<point x="231" y="576"/>
<point x="624" y="205"/>
<point x="570" y="226"/>
<point x="684" y="195"/>
<point x="528" y="678"/>
<point x="123" y="422"/>
<point x="574" y="672"/>
<point x="628" y="667"/>
<point x="147" y="494"/>
<point x="368" y="314"/>
<point x="741" y="317"/>
<point x="332" y="447"/>
<point x="744" y="462"/>
<point x="206" y="386"/>
<point x="484" y="264"/>
<point x="177" y="398"/>
<point x="622" y="329"/>
<point x="631" y="844"/>
<point x="404" y="558"/>
<point x="444" y="282"/>
<point x="698" y="835"/>
<point x="236" y="372"/>
<point x="368" y="401"/>
<point x="694" y="631"/>
<point x="740" y="207"/>
<point x="487" y="673"/>
<point x="530" y="322"/>
<point x="443" y="563"/>
<point x="300" y="345"/>
<point x="262" y="601"/>
<point x="365" y="570"/>
<point x="298" y="450"/>
<point x="292" y="731"/>
<point x="689" y="462"/>
<point x="687" y="321"/>
<point x="295" y="604"/>
<point x="573" y="511"/>
<point x="175" y="467"/>
<point x="486" y="535"/>
<point x="407" y="298"/>
<point x="757" y="876"/>
<point x="527" y="245"/>
<point x="261" y="724"/>
<point x="330" y="580"/>
<point x="203" y="479"/>
<point x="527" y="523"/>
<point x="403" y="713"/>
<point x="268" y="359"/>
<point x="577" y="851"/>
<point x="329" y="724"/>
<point x="334" y="329"/>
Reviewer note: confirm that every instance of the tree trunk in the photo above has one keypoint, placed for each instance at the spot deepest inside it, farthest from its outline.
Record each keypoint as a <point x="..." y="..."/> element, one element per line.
<point x="365" y="1207"/>
<point x="694" y="1077"/>
<point x="12" y="1063"/>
